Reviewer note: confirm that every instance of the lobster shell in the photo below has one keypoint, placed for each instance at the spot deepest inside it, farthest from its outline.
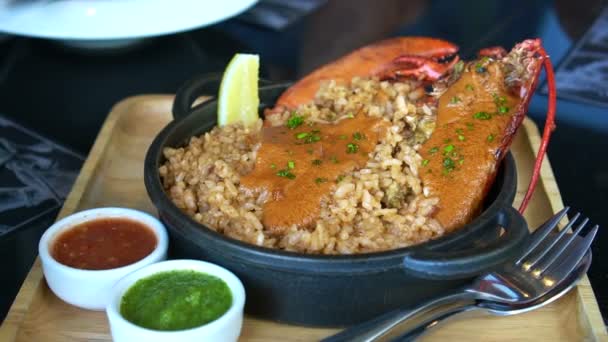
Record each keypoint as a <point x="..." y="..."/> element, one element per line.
<point x="380" y="59"/>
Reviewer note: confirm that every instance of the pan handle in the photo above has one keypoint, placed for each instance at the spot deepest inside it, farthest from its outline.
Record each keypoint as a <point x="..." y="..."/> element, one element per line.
<point x="471" y="261"/>
<point x="204" y="85"/>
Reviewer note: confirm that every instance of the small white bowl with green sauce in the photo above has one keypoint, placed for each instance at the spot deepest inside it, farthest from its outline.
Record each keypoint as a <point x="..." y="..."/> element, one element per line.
<point x="177" y="300"/>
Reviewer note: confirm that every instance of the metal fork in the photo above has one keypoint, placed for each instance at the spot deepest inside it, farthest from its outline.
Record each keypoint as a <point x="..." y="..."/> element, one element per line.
<point x="547" y="260"/>
<point x="412" y="332"/>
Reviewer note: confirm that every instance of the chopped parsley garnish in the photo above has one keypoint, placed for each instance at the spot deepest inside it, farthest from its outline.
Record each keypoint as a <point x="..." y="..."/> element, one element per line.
<point x="295" y="120"/>
<point x="461" y="137"/>
<point x="286" y="174"/>
<point x="425" y="162"/>
<point x="469" y="87"/>
<point x="448" y="164"/>
<point x="434" y="150"/>
<point x="334" y="159"/>
<point x="291" y="164"/>
<point x="350" y="115"/>
<point x="455" y="99"/>
<point x="459" y="131"/>
<point x="482" y="116"/>
<point x="313" y="138"/>
<point x="461" y="161"/>
<point x="490" y="138"/>
<point x="302" y="135"/>
<point x="448" y="148"/>
<point x="499" y="100"/>
<point x="317" y="162"/>
<point x="273" y="166"/>
<point x="320" y="180"/>
<point x="357" y="136"/>
<point x="447" y="141"/>
<point x="470" y="126"/>
<point x="342" y="137"/>
<point x="352" y="148"/>
<point x="309" y="137"/>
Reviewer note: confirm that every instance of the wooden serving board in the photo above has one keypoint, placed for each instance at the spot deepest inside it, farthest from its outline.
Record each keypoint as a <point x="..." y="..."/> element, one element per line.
<point x="113" y="176"/>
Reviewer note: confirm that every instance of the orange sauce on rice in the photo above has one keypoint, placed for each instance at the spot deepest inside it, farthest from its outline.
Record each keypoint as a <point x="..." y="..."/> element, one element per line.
<point x="299" y="163"/>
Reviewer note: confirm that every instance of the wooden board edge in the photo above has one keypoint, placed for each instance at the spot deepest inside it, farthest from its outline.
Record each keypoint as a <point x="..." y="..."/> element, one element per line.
<point x="590" y="317"/>
<point x="14" y="318"/>
<point x="588" y="308"/>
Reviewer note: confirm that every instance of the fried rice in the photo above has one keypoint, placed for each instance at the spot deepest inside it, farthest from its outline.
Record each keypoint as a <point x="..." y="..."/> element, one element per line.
<point x="381" y="206"/>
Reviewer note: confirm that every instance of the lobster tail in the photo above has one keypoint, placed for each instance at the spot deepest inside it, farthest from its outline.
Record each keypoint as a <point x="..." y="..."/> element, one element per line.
<point x="480" y="105"/>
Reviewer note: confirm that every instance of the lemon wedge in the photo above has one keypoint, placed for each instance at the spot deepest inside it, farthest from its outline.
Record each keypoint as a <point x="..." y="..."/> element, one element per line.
<point x="238" y="98"/>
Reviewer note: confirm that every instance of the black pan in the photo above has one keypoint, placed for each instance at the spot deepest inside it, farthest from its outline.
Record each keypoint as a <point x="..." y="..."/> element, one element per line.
<point x="331" y="290"/>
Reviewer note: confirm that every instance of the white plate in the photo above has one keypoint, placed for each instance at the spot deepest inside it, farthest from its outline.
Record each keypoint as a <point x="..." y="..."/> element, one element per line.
<point x="112" y="19"/>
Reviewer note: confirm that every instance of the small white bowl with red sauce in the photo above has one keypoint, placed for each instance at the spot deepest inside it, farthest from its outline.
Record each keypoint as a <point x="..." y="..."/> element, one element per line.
<point x="85" y="254"/>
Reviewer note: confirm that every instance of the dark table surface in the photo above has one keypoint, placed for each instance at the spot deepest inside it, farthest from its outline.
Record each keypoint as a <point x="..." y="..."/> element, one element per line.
<point x="65" y="93"/>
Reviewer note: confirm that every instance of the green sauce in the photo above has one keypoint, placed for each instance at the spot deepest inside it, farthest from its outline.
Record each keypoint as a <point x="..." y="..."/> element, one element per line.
<point x="176" y="300"/>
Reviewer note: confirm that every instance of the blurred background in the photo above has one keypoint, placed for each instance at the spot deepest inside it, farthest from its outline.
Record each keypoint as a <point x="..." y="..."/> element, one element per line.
<point x="64" y="64"/>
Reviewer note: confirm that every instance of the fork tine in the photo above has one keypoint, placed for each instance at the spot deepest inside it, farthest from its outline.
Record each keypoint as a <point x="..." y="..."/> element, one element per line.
<point x="551" y="240"/>
<point x="551" y="257"/>
<point x="572" y="257"/>
<point x="539" y="234"/>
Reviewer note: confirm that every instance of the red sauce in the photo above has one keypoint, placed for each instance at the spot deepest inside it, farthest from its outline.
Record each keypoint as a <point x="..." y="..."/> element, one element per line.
<point x="103" y="244"/>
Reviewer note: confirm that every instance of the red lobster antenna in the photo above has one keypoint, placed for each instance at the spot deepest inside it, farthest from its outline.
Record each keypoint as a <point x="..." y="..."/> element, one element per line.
<point x="548" y="129"/>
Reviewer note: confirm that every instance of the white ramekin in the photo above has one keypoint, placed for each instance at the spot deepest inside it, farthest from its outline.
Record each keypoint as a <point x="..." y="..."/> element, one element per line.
<point x="226" y="328"/>
<point x="91" y="289"/>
